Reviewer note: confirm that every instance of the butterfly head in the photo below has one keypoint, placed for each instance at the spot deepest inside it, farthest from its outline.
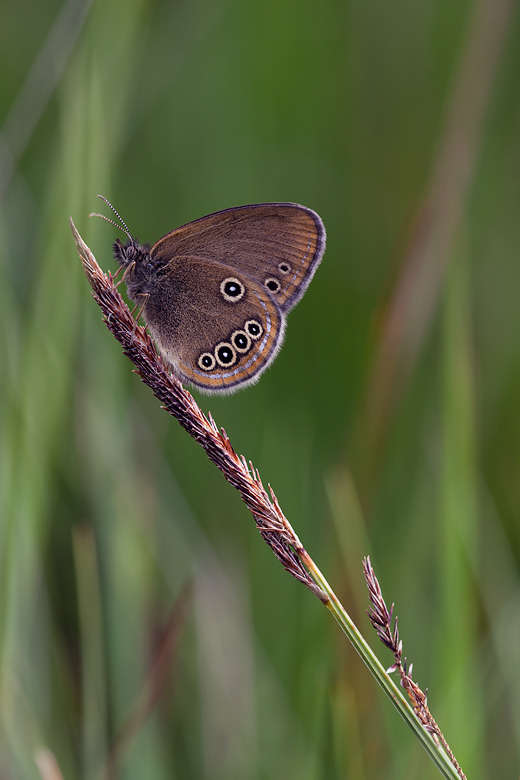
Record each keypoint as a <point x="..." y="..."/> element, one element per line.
<point x="140" y="271"/>
<point x="131" y="252"/>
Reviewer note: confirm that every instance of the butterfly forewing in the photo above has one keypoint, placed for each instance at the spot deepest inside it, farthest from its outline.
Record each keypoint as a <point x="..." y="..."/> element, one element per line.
<point x="278" y="245"/>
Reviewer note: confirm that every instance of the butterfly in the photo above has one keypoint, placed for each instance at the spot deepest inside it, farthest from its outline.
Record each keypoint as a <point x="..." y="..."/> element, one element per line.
<point x="215" y="293"/>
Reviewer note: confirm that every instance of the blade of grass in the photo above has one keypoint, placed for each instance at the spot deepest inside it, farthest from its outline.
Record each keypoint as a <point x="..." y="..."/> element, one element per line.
<point x="272" y="524"/>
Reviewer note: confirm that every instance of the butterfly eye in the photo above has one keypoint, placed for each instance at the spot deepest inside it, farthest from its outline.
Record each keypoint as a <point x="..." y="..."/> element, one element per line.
<point x="225" y="354"/>
<point x="206" y="361"/>
<point x="254" y="329"/>
<point x="232" y="289"/>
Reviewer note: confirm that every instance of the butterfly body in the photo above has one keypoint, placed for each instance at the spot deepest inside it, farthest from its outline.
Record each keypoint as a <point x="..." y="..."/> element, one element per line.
<point x="215" y="292"/>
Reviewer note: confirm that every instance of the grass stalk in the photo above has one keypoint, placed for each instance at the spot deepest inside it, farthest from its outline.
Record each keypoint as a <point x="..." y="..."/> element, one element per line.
<point x="272" y="524"/>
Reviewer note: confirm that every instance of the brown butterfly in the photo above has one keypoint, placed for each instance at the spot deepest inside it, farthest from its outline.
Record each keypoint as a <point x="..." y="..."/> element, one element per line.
<point x="215" y="293"/>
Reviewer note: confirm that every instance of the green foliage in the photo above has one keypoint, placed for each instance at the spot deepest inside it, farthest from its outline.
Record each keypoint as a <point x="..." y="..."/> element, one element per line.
<point x="108" y="511"/>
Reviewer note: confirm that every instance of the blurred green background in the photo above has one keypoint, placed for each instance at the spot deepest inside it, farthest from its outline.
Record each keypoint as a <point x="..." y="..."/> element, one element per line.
<point x="389" y="425"/>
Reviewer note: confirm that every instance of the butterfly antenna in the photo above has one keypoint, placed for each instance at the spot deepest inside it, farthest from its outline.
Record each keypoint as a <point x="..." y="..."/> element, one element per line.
<point x="122" y="227"/>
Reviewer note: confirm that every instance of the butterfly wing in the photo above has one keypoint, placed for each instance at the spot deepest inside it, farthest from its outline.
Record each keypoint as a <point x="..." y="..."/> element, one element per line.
<point x="276" y="245"/>
<point x="209" y="338"/>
